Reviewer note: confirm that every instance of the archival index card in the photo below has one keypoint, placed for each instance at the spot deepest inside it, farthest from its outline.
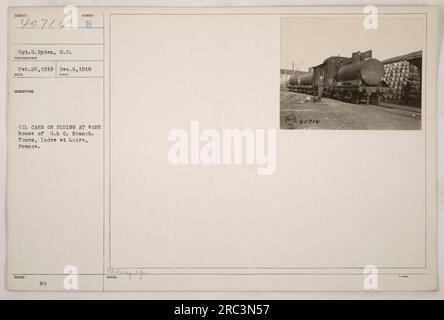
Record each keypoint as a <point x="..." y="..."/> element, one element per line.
<point x="222" y="149"/>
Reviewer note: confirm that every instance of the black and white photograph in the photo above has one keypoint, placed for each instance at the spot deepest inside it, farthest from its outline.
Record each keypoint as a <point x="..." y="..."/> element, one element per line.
<point x="232" y="152"/>
<point x="338" y="73"/>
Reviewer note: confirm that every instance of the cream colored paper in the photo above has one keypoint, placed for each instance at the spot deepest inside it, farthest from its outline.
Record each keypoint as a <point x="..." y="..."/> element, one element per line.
<point x="111" y="212"/>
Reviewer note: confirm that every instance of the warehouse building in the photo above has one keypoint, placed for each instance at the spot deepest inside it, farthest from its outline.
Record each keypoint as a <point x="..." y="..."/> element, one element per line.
<point x="403" y="76"/>
<point x="285" y="76"/>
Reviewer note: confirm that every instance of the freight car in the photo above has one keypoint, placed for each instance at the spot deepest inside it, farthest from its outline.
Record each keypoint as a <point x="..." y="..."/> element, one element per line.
<point x="302" y="82"/>
<point x="354" y="79"/>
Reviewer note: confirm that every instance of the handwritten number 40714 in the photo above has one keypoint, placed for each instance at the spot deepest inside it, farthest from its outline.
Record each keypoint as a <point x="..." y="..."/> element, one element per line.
<point x="29" y="23"/>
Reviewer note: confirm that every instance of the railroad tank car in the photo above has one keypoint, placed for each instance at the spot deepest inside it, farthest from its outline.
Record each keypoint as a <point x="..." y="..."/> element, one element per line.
<point x="293" y="81"/>
<point x="370" y="72"/>
<point x="306" y="79"/>
<point x="301" y="82"/>
<point x="355" y="79"/>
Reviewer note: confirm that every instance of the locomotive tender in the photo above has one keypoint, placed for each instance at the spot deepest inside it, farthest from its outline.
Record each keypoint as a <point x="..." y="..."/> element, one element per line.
<point x="356" y="79"/>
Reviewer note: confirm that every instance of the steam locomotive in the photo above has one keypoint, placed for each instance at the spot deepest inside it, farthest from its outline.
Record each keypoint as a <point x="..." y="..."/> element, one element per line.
<point x="355" y="79"/>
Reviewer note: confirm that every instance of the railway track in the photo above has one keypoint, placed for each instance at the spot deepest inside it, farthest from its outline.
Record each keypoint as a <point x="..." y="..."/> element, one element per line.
<point x="399" y="109"/>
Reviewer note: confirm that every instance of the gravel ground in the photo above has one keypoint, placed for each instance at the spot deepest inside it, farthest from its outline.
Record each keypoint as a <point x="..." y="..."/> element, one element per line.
<point x="298" y="111"/>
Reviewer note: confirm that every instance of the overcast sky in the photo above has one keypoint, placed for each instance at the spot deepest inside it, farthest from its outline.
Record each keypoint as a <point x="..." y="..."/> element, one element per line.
<point x="309" y="40"/>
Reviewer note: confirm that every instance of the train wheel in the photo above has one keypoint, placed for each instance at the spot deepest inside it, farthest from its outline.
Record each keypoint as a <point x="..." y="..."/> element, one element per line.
<point x="356" y="98"/>
<point x="375" y="99"/>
